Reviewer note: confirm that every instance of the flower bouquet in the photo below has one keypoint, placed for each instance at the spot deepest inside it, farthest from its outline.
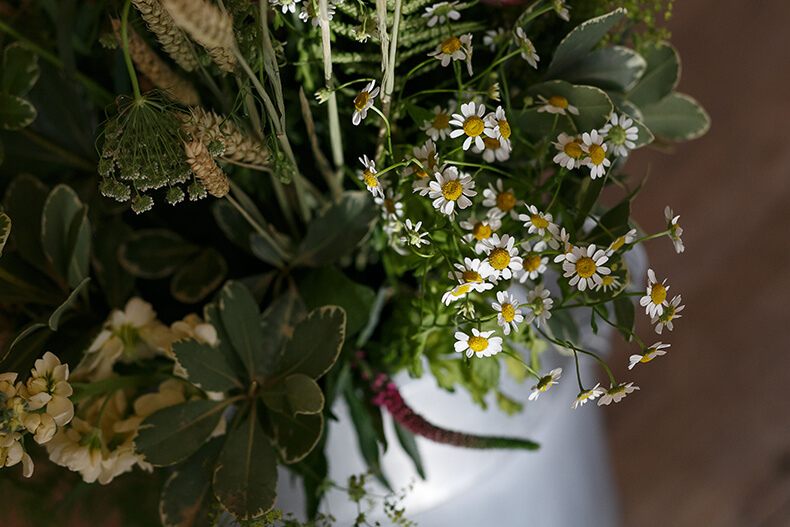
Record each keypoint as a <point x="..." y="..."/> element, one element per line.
<point x="221" y="217"/>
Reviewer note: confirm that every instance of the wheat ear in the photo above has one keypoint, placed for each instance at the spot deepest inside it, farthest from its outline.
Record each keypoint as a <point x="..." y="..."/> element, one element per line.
<point x="205" y="169"/>
<point x="206" y="126"/>
<point x="174" y="42"/>
<point x="212" y="28"/>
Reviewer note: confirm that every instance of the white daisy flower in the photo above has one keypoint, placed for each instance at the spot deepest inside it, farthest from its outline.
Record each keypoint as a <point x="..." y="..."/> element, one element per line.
<point x="655" y="298"/>
<point x="656" y="350"/>
<point x="413" y="236"/>
<point x="508" y="313"/>
<point x="470" y="123"/>
<point x="539" y="305"/>
<point x="557" y="104"/>
<point x="493" y="37"/>
<point x="451" y="188"/>
<point x="559" y="238"/>
<point x="617" y="393"/>
<point x="675" y="230"/>
<point x="363" y="102"/>
<point x="670" y="313"/>
<point x="455" y="48"/>
<point x="593" y="146"/>
<point x="398" y="243"/>
<point x="537" y="222"/>
<point x="309" y="12"/>
<point x="527" y="48"/>
<point x="534" y="263"/>
<point x="439" y="13"/>
<point x="588" y="395"/>
<point x="562" y="10"/>
<point x="620" y="134"/>
<point x="498" y="127"/>
<point x="427" y="156"/>
<point x="470" y="272"/>
<point x="369" y="177"/>
<point x="494" y="150"/>
<point x="545" y="382"/>
<point x="440" y="126"/>
<point x="481" y="230"/>
<point x="625" y="239"/>
<point x="609" y="283"/>
<point x="479" y="343"/>
<point x="570" y="151"/>
<point x="287" y="5"/>
<point x="585" y="266"/>
<point x="503" y="259"/>
<point x="500" y="201"/>
<point x="456" y="293"/>
<point x="391" y="206"/>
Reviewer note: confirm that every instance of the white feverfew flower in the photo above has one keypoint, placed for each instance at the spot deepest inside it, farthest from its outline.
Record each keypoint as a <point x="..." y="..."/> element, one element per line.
<point x="413" y="236"/>
<point x="472" y="273"/>
<point x="670" y="313"/>
<point x="287" y="5"/>
<point x="439" y="13"/>
<point x="508" y="313"/>
<point x="545" y="382"/>
<point x="588" y="395"/>
<point x="451" y="189"/>
<point x="480" y="230"/>
<point x="569" y="151"/>
<point x="427" y="156"/>
<point x="439" y="127"/>
<point x="625" y="239"/>
<point x="675" y="230"/>
<point x="562" y="9"/>
<point x="527" y="48"/>
<point x="470" y="123"/>
<point x="655" y="299"/>
<point x="368" y="176"/>
<point x="617" y="393"/>
<point x="48" y="386"/>
<point x="500" y="201"/>
<point x="479" y="343"/>
<point x="390" y="205"/>
<point x="503" y="259"/>
<point x="498" y="127"/>
<point x="493" y="38"/>
<point x="310" y="12"/>
<point x="609" y="283"/>
<point x="560" y="238"/>
<point x="620" y="134"/>
<point x="363" y="102"/>
<point x="533" y="262"/>
<point x="455" y="48"/>
<point x="539" y="305"/>
<point x="592" y="144"/>
<point x="536" y="221"/>
<point x="656" y="350"/>
<point x="557" y="104"/>
<point x="584" y="266"/>
<point x="494" y="150"/>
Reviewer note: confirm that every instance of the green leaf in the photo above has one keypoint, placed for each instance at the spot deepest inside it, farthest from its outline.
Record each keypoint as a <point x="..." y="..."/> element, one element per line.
<point x="116" y="282"/>
<point x="241" y="319"/>
<point x="578" y="43"/>
<point x="616" y="222"/>
<point x="367" y="435"/>
<point x="661" y="76"/>
<point x="186" y="496"/>
<point x="277" y="325"/>
<point x="409" y="444"/>
<point x="593" y="104"/>
<point x="20" y="70"/>
<point x="155" y="253"/>
<point x="205" y="366"/>
<point x="316" y="343"/>
<point x="54" y="319"/>
<point x="329" y="285"/>
<point x="303" y="394"/>
<point x="21" y="283"/>
<point x="264" y="251"/>
<point x="16" y="112"/>
<point x="198" y="277"/>
<point x="27" y="347"/>
<point x="609" y="68"/>
<point x="338" y="230"/>
<point x="174" y="433"/>
<point x="677" y="117"/>
<point x="486" y="371"/>
<point x="296" y="436"/>
<point x="24" y="203"/>
<point x="212" y="315"/>
<point x="21" y="335"/>
<point x="508" y="405"/>
<point x="232" y="223"/>
<point x="624" y="315"/>
<point x="5" y="230"/>
<point x="245" y="480"/>
<point x="79" y="248"/>
<point x="61" y="209"/>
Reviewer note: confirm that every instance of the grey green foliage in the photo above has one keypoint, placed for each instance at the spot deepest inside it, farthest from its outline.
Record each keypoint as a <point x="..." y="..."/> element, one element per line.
<point x="20" y="72"/>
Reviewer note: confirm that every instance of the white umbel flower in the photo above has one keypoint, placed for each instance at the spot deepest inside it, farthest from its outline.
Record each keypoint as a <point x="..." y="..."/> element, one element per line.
<point x="450" y="189"/>
<point x="620" y="134"/>
<point x="508" y="312"/>
<point x="368" y="176"/>
<point x="545" y="382"/>
<point x="570" y="151"/>
<point x="539" y="305"/>
<point x="470" y="123"/>
<point x="656" y="350"/>
<point x="364" y="101"/>
<point x="439" y="13"/>
<point x="593" y="146"/>
<point x="584" y="265"/>
<point x="527" y="48"/>
<point x="617" y="393"/>
<point x="557" y="104"/>
<point x="503" y="259"/>
<point x="500" y="201"/>
<point x="655" y="299"/>
<point x="479" y="343"/>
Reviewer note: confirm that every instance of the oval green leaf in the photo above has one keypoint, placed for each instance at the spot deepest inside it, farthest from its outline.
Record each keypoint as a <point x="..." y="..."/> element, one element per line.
<point x="609" y="68"/>
<point x="578" y="43"/>
<point x="199" y="277"/>
<point x="678" y="117"/>
<point x="205" y="366"/>
<point x="20" y="70"/>
<point x="316" y="343"/>
<point x="16" y="112"/>
<point x="241" y="318"/>
<point x="61" y="209"/>
<point x="154" y="253"/>
<point x="24" y="203"/>
<point x="661" y="76"/>
<point x="593" y="104"/>
<point x="296" y="436"/>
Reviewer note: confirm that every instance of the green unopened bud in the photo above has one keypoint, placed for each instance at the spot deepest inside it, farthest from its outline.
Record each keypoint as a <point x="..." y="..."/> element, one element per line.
<point x="142" y="203"/>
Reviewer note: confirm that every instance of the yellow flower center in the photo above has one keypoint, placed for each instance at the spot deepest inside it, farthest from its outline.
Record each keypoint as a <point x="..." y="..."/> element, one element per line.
<point x="491" y="144"/>
<point x="389" y="206"/>
<point x="474" y="126"/>
<point x="648" y="355"/>
<point x="558" y="102"/>
<point x="471" y="276"/>
<point x="619" y="242"/>
<point x="597" y="154"/>
<point x="499" y="259"/>
<point x="538" y="221"/>
<point x="478" y="343"/>
<point x="481" y="231"/>
<point x="451" y="45"/>
<point x="608" y="280"/>
<point x="505" y="201"/>
<point x="462" y="290"/>
<point x="370" y="179"/>
<point x="531" y="263"/>
<point x="361" y="100"/>
<point x="585" y="267"/>
<point x="504" y="128"/>
<point x="508" y="312"/>
<point x="441" y="121"/>
<point x="452" y="190"/>
<point x="667" y="315"/>
<point x="658" y="293"/>
<point x="572" y="149"/>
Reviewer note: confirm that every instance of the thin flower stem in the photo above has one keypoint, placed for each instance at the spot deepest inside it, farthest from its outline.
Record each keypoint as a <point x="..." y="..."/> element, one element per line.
<point x="389" y="136"/>
<point x="656" y="235"/>
<point x="246" y="165"/>
<point x="259" y="228"/>
<point x="623" y="328"/>
<point x="335" y="136"/>
<point x="481" y="167"/>
<point x="578" y="373"/>
<point x="575" y="349"/>
<point x="125" y="46"/>
<point x="439" y="90"/>
<point x="491" y="66"/>
<point x="521" y="361"/>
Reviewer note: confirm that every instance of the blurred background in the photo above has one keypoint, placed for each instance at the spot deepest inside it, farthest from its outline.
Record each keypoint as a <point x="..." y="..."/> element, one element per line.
<point x="707" y="439"/>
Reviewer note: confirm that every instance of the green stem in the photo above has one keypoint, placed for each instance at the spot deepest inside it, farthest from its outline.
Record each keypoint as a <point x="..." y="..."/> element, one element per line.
<point x="389" y="135"/>
<point x="521" y="361"/>
<point x="125" y="45"/>
<point x="575" y="349"/>
<point x="68" y="157"/>
<point x="259" y="228"/>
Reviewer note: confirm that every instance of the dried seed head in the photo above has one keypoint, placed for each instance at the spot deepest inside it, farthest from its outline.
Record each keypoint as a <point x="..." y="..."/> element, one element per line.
<point x="173" y="39"/>
<point x="208" y="127"/>
<point x="204" y="22"/>
<point x="205" y="169"/>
